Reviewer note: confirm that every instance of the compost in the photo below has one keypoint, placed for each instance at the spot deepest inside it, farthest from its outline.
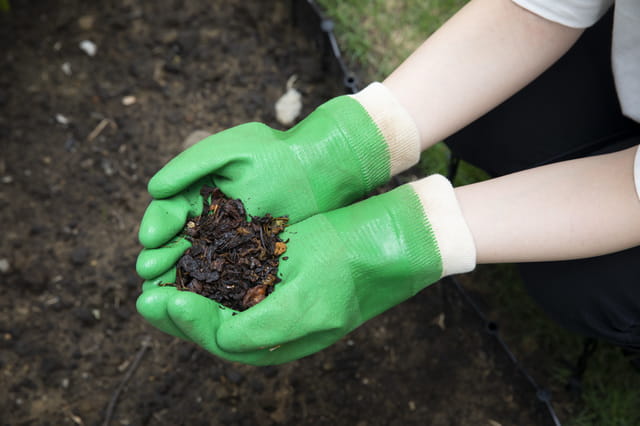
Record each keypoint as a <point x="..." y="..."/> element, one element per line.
<point x="80" y="138"/>
<point x="232" y="260"/>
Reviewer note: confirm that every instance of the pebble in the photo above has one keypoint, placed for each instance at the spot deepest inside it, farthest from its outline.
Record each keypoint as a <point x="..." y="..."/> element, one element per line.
<point x="66" y="68"/>
<point x="86" y="22"/>
<point x="4" y="266"/>
<point x="289" y="106"/>
<point x="61" y="119"/>
<point x="106" y="167"/>
<point x="129" y="100"/>
<point x="88" y="47"/>
<point x="84" y="315"/>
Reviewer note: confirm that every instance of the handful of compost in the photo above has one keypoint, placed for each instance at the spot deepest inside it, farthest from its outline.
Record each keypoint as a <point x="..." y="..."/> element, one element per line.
<point x="232" y="260"/>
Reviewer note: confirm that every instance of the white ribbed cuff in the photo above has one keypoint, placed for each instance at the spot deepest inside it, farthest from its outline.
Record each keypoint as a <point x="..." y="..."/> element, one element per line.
<point x="457" y="249"/>
<point x="396" y="125"/>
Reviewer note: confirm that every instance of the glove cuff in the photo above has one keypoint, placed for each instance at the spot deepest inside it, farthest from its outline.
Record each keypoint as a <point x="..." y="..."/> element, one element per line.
<point x="441" y="208"/>
<point x="395" y="124"/>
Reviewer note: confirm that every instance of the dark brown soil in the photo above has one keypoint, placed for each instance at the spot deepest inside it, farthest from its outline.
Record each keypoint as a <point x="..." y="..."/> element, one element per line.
<point x="232" y="260"/>
<point x="73" y="169"/>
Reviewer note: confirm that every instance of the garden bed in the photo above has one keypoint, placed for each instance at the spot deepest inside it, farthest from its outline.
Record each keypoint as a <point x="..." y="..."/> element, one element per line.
<point x="81" y="135"/>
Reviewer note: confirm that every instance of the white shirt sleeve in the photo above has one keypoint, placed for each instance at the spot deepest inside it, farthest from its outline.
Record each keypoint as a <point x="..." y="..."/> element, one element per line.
<point x="571" y="13"/>
<point x="636" y="171"/>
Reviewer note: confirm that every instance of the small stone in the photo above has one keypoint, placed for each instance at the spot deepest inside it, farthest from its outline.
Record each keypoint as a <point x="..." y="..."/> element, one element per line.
<point x="440" y="321"/>
<point x="289" y="106"/>
<point x="85" y="316"/>
<point x="88" y="47"/>
<point x="66" y="68"/>
<point x="106" y="167"/>
<point x="129" y="100"/>
<point x="194" y="137"/>
<point x="412" y="406"/>
<point x="86" y="22"/>
<point x="61" y="119"/>
<point x="4" y="266"/>
<point x="7" y="179"/>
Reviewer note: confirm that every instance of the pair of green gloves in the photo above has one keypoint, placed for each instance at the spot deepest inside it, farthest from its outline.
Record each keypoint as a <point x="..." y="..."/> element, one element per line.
<point x="346" y="262"/>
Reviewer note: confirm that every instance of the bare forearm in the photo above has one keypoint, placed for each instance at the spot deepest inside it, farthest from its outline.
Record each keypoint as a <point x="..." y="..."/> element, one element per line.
<point x="567" y="210"/>
<point x="487" y="52"/>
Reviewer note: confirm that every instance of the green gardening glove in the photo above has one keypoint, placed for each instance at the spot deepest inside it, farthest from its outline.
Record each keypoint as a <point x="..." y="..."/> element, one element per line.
<point x="339" y="153"/>
<point x="343" y="268"/>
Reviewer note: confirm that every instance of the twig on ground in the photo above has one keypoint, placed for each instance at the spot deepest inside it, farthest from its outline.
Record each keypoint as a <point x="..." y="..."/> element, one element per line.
<point x="99" y="128"/>
<point x="146" y="344"/>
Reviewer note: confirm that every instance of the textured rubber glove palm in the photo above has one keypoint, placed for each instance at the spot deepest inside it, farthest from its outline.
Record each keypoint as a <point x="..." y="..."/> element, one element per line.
<point x="343" y="268"/>
<point x="338" y="154"/>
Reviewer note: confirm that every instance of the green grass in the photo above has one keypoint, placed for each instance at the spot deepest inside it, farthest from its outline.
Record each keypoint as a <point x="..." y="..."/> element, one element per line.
<point x="377" y="36"/>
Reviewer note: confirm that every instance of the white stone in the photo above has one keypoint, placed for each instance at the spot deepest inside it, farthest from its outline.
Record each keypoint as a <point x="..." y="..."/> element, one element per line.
<point x="289" y="106"/>
<point x="66" y="68"/>
<point x="129" y="100"/>
<point x="62" y="119"/>
<point x="88" y="47"/>
<point x="4" y="266"/>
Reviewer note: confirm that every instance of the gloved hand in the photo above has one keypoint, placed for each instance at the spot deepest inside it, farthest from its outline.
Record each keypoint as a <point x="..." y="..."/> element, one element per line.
<point x="343" y="268"/>
<point x="339" y="153"/>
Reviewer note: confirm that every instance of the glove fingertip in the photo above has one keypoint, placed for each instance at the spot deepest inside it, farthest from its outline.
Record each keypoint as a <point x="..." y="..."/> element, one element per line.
<point x="146" y="265"/>
<point x="158" y="188"/>
<point x="153" y="304"/>
<point x="152" y="263"/>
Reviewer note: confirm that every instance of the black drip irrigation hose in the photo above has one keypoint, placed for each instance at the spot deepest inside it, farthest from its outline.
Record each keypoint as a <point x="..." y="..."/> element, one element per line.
<point x="306" y="15"/>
